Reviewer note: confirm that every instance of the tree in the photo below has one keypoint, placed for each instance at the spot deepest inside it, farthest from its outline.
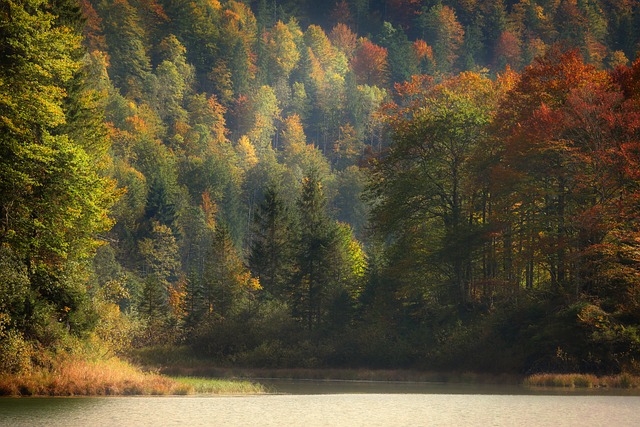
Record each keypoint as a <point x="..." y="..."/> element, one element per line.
<point x="507" y="51"/>
<point x="444" y="33"/>
<point x="563" y="179"/>
<point x="228" y="285"/>
<point x="314" y="255"/>
<point x="271" y="250"/>
<point x="343" y="39"/>
<point x="130" y="65"/>
<point x="197" y="25"/>
<point x="53" y="199"/>
<point x="348" y="148"/>
<point x="298" y="156"/>
<point x="494" y="20"/>
<point x="424" y="197"/>
<point x="266" y="111"/>
<point x="238" y="32"/>
<point x="402" y="63"/>
<point x="370" y="63"/>
<point x="282" y="53"/>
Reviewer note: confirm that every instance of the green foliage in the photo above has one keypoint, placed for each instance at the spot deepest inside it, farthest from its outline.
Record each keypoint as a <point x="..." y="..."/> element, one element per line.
<point x="272" y="244"/>
<point x="54" y="199"/>
<point x="15" y="351"/>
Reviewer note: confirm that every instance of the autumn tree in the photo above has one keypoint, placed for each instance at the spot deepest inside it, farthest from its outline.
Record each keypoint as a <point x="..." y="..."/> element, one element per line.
<point x="53" y="199"/>
<point x="567" y="148"/>
<point x="370" y="63"/>
<point x="444" y="33"/>
<point x="423" y="187"/>
<point x="343" y="39"/>
<point x="282" y="52"/>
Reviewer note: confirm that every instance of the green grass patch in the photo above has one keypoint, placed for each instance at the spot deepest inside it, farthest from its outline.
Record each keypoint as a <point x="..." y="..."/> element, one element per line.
<point x="220" y="386"/>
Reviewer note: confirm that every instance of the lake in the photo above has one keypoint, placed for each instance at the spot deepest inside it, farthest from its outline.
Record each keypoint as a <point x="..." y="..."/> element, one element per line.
<point x="337" y="404"/>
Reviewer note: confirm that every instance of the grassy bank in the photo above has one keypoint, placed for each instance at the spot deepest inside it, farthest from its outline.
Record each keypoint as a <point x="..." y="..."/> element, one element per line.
<point x="622" y="381"/>
<point x="78" y="377"/>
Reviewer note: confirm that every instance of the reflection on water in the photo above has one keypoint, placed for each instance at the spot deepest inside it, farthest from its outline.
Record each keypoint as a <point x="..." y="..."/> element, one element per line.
<point x="283" y="386"/>
<point x="332" y="404"/>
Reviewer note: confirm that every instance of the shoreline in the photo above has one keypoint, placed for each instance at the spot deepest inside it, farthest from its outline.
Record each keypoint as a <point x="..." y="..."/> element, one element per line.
<point x="114" y="377"/>
<point x="341" y="375"/>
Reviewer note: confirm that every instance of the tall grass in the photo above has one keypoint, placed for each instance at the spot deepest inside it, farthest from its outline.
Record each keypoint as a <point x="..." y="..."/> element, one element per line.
<point x="218" y="386"/>
<point x="624" y="381"/>
<point x="76" y="376"/>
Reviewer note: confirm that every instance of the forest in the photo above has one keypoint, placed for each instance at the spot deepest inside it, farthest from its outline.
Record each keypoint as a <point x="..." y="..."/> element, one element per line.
<point x="432" y="185"/>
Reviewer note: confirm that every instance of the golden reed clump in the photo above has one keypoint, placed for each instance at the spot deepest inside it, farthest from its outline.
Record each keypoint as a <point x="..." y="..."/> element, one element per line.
<point x="78" y="377"/>
<point x="582" y="381"/>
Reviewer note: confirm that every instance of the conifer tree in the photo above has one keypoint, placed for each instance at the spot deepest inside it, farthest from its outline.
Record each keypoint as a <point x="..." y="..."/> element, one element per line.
<point x="271" y="247"/>
<point x="315" y="247"/>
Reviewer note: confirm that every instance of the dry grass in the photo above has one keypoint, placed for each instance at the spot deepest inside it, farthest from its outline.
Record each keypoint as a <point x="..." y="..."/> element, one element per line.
<point x="77" y="377"/>
<point x="624" y="381"/>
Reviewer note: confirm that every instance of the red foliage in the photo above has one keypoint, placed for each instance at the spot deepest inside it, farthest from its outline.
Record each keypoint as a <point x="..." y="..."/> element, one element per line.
<point x="341" y="13"/>
<point x="370" y="63"/>
<point x="508" y="51"/>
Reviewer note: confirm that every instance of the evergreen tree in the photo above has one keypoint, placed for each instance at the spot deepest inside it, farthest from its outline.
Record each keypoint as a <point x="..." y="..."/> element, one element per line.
<point x="130" y="66"/>
<point x="271" y="247"/>
<point x="315" y="254"/>
<point x="228" y="285"/>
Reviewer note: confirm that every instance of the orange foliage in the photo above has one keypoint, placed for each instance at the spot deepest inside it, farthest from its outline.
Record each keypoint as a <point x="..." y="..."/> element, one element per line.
<point x="370" y="63"/>
<point x="210" y="209"/>
<point x="508" y="50"/>
<point x="177" y="298"/>
<point x="344" y="39"/>
<point x="422" y="50"/>
<point x="94" y="38"/>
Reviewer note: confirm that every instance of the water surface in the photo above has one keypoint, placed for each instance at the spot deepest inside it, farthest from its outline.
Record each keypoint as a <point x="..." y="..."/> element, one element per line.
<point x="355" y="404"/>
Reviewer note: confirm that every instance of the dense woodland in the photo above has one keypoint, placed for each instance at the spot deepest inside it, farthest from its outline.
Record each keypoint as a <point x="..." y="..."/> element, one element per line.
<point x="439" y="185"/>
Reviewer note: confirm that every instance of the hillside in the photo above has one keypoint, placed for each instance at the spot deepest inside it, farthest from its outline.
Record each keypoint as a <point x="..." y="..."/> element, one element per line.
<point x="386" y="184"/>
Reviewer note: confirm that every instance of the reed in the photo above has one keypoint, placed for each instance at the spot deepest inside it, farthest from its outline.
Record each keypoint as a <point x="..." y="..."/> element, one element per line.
<point x="218" y="386"/>
<point x="80" y="377"/>
<point x="621" y="381"/>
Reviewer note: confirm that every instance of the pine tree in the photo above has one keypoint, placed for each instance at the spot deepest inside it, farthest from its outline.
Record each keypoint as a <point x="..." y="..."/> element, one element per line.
<point x="315" y="249"/>
<point x="271" y="247"/>
<point x="228" y="285"/>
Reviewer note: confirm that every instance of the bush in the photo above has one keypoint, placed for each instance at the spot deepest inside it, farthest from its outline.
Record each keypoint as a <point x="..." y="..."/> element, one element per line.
<point x="15" y="352"/>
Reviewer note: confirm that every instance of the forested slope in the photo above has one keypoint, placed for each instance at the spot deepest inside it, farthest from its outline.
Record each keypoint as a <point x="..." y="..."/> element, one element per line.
<point x="390" y="183"/>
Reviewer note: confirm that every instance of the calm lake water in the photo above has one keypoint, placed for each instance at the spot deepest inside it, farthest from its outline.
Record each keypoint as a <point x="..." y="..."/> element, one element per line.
<point x="336" y="404"/>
